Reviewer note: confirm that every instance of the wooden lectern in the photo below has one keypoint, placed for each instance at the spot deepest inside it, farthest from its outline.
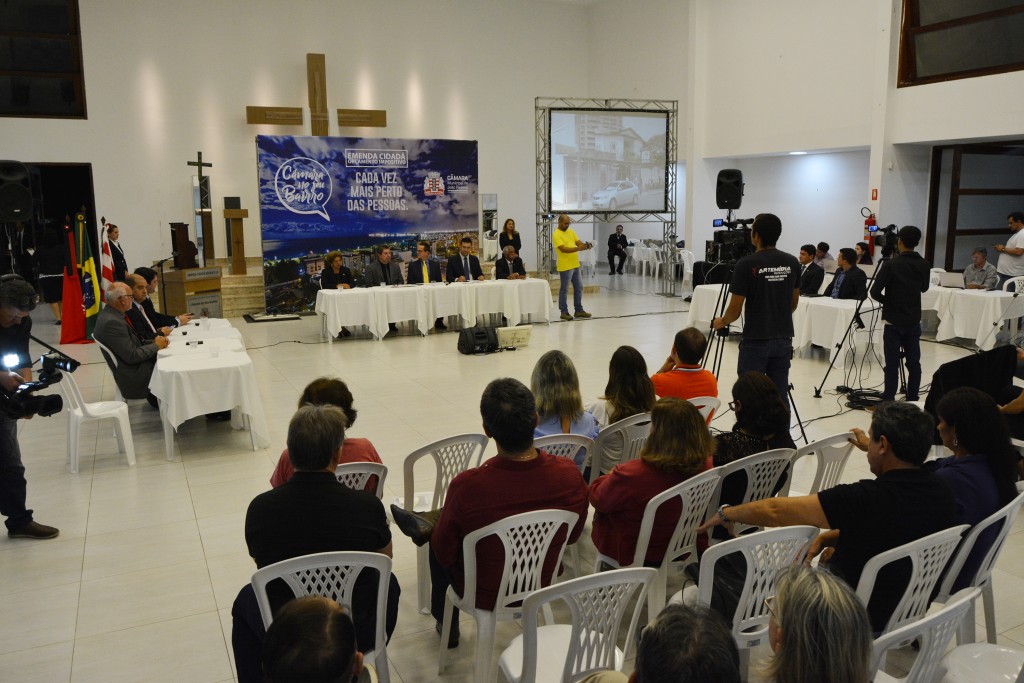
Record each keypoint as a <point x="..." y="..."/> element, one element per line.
<point x="195" y="291"/>
<point x="234" y="218"/>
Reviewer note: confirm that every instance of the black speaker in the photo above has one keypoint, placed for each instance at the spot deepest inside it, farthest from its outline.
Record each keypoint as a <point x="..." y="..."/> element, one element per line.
<point x="15" y="192"/>
<point x="729" y="193"/>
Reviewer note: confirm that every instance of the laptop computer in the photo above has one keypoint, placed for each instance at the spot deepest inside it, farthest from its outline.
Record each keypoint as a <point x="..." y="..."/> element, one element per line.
<point x="954" y="280"/>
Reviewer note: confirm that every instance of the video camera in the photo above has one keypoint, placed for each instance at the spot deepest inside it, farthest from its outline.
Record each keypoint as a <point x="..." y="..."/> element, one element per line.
<point x="21" y="402"/>
<point x="886" y="238"/>
<point x="731" y="244"/>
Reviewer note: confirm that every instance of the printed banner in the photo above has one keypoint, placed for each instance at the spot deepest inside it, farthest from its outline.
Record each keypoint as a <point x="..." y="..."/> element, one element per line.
<point x="322" y="194"/>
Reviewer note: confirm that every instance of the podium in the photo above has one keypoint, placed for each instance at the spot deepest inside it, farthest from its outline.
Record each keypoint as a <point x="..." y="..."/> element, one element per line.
<point x="195" y="291"/>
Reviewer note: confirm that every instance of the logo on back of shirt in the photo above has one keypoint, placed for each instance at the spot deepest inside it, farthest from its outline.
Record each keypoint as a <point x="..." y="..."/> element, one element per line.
<point x="772" y="273"/>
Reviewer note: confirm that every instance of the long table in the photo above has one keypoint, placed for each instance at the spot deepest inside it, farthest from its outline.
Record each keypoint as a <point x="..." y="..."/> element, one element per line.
<point x="375" y="307"/>
<point x="205" y="369"/>
<point x="972" y="313"/>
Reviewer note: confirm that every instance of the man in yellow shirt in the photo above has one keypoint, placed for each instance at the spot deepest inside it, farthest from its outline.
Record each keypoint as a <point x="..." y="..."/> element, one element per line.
<point x="567" y="248"/>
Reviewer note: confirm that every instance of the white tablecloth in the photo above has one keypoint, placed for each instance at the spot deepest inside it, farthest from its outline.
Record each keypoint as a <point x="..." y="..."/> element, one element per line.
<point x="974" y="313"/>
<point x="702" y="307"/>
<point x="187" y="346"/>
<point x="823" y="321"/>
<point x="375" y="307"/>
<point x="216" y="328"/>
<point x="194" y="384"/>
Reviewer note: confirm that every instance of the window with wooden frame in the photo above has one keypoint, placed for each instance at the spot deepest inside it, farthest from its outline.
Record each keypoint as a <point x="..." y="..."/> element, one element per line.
<point x="943" y="40"/>
<point x="41" y="72"/>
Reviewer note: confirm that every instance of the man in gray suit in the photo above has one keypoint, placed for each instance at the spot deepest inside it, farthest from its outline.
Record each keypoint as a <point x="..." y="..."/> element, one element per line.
<point x="134" y="358"/>
<point x="383" y="272"/>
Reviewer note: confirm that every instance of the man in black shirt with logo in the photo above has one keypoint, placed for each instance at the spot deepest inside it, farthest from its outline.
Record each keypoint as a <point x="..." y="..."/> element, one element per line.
<point x="898" y="286"/>
<point x="769" y="281"/>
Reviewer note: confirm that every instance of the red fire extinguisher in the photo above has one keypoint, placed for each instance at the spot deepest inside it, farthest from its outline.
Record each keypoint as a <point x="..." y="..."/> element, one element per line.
<point x="870" y="226"/>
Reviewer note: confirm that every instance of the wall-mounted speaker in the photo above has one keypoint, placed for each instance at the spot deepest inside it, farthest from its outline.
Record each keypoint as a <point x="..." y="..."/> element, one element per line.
<point x="15" y="192"/>
<point x="729" y="193"/>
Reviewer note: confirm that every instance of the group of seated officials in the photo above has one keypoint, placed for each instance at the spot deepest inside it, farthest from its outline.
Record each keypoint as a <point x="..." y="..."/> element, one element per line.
<point x="819" y="629"/>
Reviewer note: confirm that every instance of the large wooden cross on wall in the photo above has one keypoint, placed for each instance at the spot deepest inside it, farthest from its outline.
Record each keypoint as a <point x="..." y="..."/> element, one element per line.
<point x="316" y="81"/>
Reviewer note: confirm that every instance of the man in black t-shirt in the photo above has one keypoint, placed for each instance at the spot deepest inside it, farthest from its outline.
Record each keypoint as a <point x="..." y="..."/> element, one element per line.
<point x="902" y="504"/>
<point x="769" y="281"/>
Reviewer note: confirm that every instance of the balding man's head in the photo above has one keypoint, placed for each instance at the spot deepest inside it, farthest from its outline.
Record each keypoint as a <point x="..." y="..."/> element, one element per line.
<point x="140" y="288"/>
<point x="119" y="296"/>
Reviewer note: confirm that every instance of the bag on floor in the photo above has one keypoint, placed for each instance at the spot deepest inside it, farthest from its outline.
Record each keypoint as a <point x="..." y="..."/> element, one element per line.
<point x="478" y="340"/>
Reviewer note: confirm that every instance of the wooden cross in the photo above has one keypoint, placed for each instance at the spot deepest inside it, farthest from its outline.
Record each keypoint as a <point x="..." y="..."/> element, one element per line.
<point x="316" y="81"/>
<point x="199" y="162"/>
<point x="205" y="205"/>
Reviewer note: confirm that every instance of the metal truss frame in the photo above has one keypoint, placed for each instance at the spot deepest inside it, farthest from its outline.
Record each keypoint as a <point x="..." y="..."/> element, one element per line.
<point x="545" y="220"/>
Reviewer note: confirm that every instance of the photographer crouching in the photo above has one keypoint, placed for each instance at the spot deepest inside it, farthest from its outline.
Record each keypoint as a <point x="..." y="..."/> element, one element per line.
<point x="17" y="299"/>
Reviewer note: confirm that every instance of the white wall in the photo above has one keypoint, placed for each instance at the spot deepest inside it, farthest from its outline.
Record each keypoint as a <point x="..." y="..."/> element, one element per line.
<point x="164" y="80"/>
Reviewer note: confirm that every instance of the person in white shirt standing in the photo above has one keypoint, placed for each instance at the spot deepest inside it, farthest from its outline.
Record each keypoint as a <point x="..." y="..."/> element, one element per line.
<point x="1011" y="254"/>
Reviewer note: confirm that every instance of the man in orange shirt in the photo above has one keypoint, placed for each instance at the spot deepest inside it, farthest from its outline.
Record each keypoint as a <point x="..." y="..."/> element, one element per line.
<point x="682" y="376"/>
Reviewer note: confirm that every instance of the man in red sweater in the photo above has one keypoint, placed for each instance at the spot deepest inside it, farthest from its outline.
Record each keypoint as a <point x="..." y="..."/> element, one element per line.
<point x="682" y="376"/>
<point x="518" y="479"/>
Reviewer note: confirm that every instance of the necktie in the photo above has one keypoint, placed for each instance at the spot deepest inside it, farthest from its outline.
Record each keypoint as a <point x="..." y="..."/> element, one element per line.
<point x="131" y="327"/>
<point x="426" y="273"/>
<point x="146" y="318"/>
<point x="465" y="268"/>
<point x="803" y="269"/>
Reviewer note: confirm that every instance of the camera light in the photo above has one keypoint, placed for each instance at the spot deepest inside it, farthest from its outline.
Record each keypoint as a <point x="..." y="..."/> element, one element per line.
<point x="10" y="361"/>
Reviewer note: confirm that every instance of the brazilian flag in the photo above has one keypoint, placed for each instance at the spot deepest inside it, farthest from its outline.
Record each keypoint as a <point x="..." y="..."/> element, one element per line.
<point x="90" y="280"/>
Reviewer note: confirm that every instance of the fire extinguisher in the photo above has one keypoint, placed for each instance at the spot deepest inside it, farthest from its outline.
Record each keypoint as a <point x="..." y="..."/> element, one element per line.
<point x="870" y="226"/>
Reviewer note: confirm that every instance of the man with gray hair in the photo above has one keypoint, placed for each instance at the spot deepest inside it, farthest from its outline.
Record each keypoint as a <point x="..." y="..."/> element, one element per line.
<point x="509" y="266"/>
<point x="134" y="358"/>
<point x="312" y="513"/>
<point x="980" y="274"/>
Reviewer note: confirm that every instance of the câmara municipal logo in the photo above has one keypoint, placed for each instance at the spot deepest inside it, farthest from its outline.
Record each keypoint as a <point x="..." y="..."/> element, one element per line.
<point x="433" y="184"/>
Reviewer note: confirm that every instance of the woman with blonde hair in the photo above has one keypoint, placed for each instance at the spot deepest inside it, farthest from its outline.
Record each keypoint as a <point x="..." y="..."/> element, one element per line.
<point x="679" y="447"/>
<point x="629" y="392"/>
<point x="556" y="386"/>
<point x="818" y="630"/>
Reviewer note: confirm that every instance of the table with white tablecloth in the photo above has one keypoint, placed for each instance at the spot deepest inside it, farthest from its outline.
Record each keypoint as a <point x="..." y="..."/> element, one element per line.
<point x="197" y="381"/>
<point x="823" y="321"/>
<point x="205" y="328"/>
<point x="974" y="313"/>
<point x="375" y="307"/>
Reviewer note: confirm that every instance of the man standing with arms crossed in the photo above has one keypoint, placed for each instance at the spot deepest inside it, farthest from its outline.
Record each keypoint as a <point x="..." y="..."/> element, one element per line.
<point x="898" y="286"/>
<point x="769" y="281"/>
<point x="567" y="248"/>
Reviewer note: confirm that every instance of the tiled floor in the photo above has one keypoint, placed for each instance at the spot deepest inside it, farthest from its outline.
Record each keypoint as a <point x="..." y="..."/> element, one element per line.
<point x="139" y="584"/>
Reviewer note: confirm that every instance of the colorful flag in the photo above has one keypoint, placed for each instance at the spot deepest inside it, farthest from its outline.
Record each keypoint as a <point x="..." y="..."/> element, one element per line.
<point x="72" y="329"/>
<point x="106" y="265"/>
<point x="90" y="280"/>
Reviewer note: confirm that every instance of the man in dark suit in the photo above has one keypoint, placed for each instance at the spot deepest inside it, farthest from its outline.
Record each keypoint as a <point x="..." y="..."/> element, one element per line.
<point x="850" y="282"/>
<point x="134" y="358"/>
<point x="140" y="321"/>
<point x="510" y="266"/>
<point x="158" y="319"/>
<point x="617" y="244"/>
<point x="383" y="272"/>
<point x="425" y="270"/>
<point x="464" y="266"/>
<point x="811" y="274"/>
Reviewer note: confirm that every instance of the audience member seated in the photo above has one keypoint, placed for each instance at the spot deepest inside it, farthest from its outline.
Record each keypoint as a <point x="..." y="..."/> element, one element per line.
<point x="311" y="513"/>
<point x="863" y="254"/>
<point x="509" y="266"/>
<point x="629" y="392"/>
<point x="902" y="504"/>
<point x="762" y="420"/>
<point x="312" y="639"/>
<point x="135" y="358"/>
<point x="821" y="254"/>
<point x="811" y="274"/>
<point x="158" y="319"/>
<point x="332" y="392"/>
<point x="849" y="282"/>
<point x="982" y="471"/>
<point x="557" y="387"/>
<point x="681" y="376"/>
<point x="980" y="274"/>
<point x="818" y="630"/>
<point x="464" y="266"/>
<point x="136" y="314"/>
<point x="679" y="447"/>
<point x="425" y="270"/>
<point x="518" y="479"/>
<point x="683" y="644"/>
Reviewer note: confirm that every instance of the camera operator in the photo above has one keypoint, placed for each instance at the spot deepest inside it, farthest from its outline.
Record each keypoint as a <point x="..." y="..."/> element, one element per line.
<point x="17" y="299"/>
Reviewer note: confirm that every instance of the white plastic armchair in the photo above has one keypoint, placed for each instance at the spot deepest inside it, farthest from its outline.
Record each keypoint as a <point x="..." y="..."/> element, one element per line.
<point x="331" y="575"/>
<point x="764" y="471"/>
<point x="80" y="411"/>
<point x="564" y="445"/>
<point x="588" y="644"/>
<point x="527" y="540"/>
<point x="633" y="431"/>
<point x="356" y="476"/>
<point x="832" y="452"/>
<point x="111" y="359"/>
<point x="707" y="405"/>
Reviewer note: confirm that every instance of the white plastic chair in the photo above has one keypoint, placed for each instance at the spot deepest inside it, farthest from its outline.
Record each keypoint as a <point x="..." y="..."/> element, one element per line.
<point x="832" y="452"/>
<point x="983" y="662"/>
<point x="111" y="359"/>
<point x="331" y="575"/>
<point x="565" y="446"/>
<point x="707" y="405"/>
<point x="527" y="540"/>
<point x="982" y="579"/>
<point x="356" y="475"/>
<point x="764" y="471"/>
<point x="932" y="632"/>
<point x="766" y="554"/>
<point x="569" y="652"/>
<point x="634" y="431"/>
<point x="451" y="456"/>
<point x="928" y="557"/>
<point x="80" y="411"/>
<point x="1014" y="284"/>
<point x="694" y="495"/>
